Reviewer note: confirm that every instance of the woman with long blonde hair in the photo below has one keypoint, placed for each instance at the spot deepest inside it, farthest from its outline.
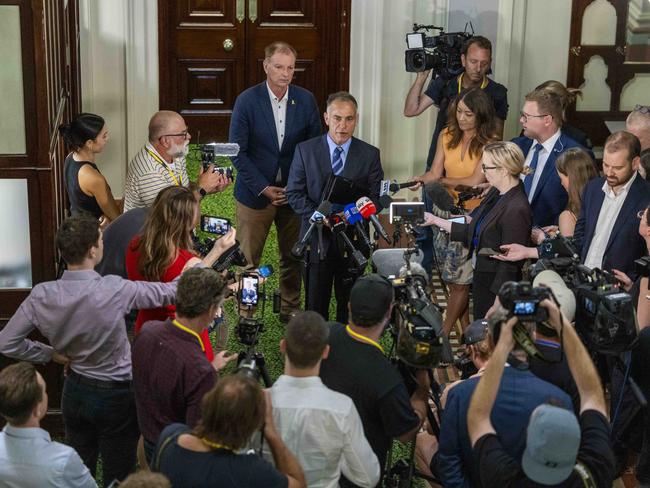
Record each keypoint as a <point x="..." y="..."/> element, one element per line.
<point x="164" y="249"/>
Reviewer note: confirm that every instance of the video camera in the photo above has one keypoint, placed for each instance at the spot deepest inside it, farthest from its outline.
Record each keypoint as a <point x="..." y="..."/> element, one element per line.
<point x="439" y="53"/>
<point x="416" y="323"/>
<point x="605" y="315"/>
<point x="233" y="256"/>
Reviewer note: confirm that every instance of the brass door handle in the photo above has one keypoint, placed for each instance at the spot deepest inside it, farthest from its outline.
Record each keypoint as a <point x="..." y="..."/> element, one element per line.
<point x="228" y="45"/>
<point x="240" y="13"/>
<point x="252" y="10"/>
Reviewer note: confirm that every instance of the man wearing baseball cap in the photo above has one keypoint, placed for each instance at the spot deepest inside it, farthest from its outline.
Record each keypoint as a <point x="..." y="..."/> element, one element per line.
<point x="357" y="367"/>
<point x="559" y="451"/>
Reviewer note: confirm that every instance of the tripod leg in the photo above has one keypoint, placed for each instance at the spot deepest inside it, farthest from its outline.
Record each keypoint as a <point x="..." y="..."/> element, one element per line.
<point x="264" y="373"/>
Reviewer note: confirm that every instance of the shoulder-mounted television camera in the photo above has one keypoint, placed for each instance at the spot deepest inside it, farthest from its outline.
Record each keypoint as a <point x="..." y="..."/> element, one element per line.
<point x="440" y="53"/>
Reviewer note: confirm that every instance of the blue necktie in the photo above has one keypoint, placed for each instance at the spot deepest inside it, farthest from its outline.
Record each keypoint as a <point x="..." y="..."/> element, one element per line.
<point x="528" y="180"/>
<point x="337" y="160"/>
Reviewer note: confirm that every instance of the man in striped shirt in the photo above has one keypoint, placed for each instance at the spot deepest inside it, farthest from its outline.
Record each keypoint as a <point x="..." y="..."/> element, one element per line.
<point x="161" y="163"/>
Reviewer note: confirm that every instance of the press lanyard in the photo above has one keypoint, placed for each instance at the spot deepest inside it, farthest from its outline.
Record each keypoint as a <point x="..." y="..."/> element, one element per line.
<point x="460" y="83"/>
<point x="215" y="445"/>
<point x="363" y="338"/>
<point x="189" y="331"/>
<point x="164" y="165"/>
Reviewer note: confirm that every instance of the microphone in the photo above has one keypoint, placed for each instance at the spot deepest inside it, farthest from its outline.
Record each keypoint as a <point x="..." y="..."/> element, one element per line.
<point x="339" y="231"/>
<point x="353" y="217"/>
<point x="316" y="220"/>
<point x="395" y="186"/>
<point x="368" y="210"/>
<point x="442" y="203"/>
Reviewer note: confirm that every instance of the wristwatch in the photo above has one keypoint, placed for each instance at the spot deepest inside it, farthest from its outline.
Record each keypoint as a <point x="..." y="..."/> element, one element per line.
<point x="202" y="192"/>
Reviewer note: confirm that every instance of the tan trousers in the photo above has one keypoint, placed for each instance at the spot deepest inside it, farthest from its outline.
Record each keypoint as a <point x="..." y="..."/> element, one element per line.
<point x="252" y="230"/>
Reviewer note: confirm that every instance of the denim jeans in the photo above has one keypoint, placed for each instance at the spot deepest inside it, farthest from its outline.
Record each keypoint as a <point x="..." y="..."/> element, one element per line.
<point x="101" y="421"/>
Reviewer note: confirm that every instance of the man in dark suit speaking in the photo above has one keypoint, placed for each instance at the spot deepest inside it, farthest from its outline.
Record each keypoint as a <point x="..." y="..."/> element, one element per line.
<point x="267" y="122"/>
<point x="313" y="164"/>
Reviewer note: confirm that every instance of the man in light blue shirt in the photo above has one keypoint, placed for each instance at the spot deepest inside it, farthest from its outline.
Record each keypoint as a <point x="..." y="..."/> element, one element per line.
<point x="28" y="457"/>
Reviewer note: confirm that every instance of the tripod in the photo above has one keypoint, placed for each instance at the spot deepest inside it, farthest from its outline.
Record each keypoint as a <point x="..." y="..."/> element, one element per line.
<point x="254" y="360"/>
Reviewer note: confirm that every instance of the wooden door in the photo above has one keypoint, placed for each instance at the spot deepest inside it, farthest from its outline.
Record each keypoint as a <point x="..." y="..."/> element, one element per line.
<point x="49" y="39"/>
<point x="200" y="78"/>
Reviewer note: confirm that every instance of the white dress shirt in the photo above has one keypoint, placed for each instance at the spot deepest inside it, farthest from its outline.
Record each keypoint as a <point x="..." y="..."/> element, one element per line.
<point x="609" y="211"/>
<point x="279" y="106"/>
<point x="544" y="153"/>
<point x="28" y="457"/>
<point x="323" y="429"/>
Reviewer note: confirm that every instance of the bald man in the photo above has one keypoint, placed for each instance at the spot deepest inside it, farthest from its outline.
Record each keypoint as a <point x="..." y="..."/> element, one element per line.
<point x="638" y="123"/>
<point x="161" y="163"/>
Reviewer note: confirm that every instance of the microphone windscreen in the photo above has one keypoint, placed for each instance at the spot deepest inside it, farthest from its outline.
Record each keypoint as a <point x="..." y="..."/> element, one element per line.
<point x="416" y="270"/>
<point x="439" y="195"/>
<point x="325" y="207"/>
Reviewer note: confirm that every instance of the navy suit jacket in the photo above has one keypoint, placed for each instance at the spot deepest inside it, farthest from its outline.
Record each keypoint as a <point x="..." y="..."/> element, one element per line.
<point x="625" y="244"/>
<point x="252" y="126"/>
<point x="311" y="169"/>
<point x="520" y="392"/>
<point x="550" y="197"/>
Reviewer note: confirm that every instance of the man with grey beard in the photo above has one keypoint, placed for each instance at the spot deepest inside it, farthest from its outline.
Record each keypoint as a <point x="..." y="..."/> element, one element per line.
<point x="161" y="163"/>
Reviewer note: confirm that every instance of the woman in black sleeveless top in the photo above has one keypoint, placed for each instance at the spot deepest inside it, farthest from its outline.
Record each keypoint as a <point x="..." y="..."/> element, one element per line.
<point x="86" y="135"/>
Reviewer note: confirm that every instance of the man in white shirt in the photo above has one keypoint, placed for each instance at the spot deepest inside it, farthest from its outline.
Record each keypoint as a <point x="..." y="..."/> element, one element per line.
<point x="606" y="233"/>
<point x="161" y="163"/>
<point x="28" y="457"/>
<point x="322" y="427"/>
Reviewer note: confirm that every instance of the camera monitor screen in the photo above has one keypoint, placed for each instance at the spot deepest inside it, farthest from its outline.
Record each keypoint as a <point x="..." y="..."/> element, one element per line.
<point x="525" y="308"/>
<point x="215" y="225"/>
<point x="249" y="290"/>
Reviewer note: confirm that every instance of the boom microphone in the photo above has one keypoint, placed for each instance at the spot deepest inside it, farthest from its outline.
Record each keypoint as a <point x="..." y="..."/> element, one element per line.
<point x="442" y="203"/>
<point x="316" y="220"/>
<point x="368" y="210"/>
<point x="353" y="217"/>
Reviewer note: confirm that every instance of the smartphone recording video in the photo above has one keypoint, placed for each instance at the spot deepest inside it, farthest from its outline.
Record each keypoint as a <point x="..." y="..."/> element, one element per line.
<point x="215" y="225"/>
<point x="249" y="290"/>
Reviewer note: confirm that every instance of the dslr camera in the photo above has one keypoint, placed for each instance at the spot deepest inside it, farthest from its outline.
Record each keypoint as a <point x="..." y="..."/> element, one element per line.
<point x="233" y="256"/>
<point x="440" y="53"/>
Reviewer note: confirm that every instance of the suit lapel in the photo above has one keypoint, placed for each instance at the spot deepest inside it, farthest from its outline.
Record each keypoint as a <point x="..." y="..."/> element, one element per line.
<point x="323" y="160"/>
<point x="629" y="205"/>
<point x="267" y="112"/>
<point x="291" y="113"/>
<point x="599" y="198"/>
<point x="351" y="161"/>
<point x="549" y="167"/>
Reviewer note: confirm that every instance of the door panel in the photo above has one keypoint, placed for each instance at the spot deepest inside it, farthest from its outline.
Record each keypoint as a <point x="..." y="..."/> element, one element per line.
<point x="199" y="75"/>
<point x="200" y="79"/>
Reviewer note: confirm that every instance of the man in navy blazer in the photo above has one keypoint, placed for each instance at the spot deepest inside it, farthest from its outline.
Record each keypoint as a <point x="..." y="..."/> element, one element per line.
<point x="542" y="143"/>
<point x="267" y="122"/>
<point x="313" y="164"/>
<point x="607" y="231"/>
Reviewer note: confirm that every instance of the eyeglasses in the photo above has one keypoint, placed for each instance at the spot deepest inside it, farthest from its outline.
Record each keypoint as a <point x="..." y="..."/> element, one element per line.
<point x="639" y="214"/>
<point x="644" y="109"/>
<point x="183" y="134"/>
<point x="485" y="168"/>
<point x="525" y="116"/>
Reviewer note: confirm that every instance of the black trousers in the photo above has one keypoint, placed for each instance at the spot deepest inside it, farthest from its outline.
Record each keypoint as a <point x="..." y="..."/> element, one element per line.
<point x="101" y="419"/>
<point x="482" y="296"/>
<point x="334" y="271"/>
